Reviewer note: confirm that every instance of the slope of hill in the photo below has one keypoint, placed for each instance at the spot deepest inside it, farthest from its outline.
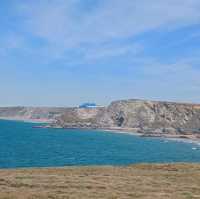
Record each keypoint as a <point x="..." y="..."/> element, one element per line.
<point x="151" y="118"/>
<point x="146" y="117"/>
<point x="180" y="181"/>
<point x="36" y="114"/>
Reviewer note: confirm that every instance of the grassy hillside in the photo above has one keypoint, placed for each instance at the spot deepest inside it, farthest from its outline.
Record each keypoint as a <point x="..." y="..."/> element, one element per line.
<point x="140" y="181"/>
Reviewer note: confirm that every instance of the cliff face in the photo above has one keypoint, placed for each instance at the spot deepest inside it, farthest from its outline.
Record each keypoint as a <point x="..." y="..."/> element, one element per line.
<point x="31" y="113"/>
<point x="80" y="118"/>
<point x="152" y="115"/>
<point x="137" y="114"/>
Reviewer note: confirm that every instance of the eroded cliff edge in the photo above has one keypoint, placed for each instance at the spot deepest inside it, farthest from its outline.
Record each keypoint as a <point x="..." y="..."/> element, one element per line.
<point x="149" y="118"/>
<point x="35" y="114"/>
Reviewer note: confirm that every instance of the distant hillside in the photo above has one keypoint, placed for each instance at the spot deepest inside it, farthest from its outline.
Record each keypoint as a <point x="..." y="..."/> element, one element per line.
<point x="147" y="117"/>
<point x="139" y="115"/>
<point x="151" y="114"/>
<point x="31" y="113"/>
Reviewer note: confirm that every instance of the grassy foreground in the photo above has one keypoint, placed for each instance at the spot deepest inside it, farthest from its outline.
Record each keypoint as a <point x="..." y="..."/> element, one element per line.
<point x="140" y="181"/>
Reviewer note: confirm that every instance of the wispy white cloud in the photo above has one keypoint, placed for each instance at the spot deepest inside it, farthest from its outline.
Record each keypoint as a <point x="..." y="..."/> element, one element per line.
<point x="107" y="34"/>
<point x="110" y="51"/>
<point x="67" y="24"/>
<point x="113" y="19"/>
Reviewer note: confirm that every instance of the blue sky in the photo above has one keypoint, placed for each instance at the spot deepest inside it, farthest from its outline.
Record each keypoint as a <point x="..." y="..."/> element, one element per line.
<point x="65" y="52"/>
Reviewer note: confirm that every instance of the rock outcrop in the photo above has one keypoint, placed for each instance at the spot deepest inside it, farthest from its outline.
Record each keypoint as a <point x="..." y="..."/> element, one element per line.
<point x="31" y="113"/>
<point x="146" y="117"/>
<point x="149" y="114"/>
<point x="80" y="118"/>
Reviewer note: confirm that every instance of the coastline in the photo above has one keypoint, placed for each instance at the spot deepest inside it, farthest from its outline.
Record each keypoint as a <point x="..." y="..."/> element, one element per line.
<point x="170" y="137"/>
<point x="23" y="119"/>
<point x="187" y="138"/>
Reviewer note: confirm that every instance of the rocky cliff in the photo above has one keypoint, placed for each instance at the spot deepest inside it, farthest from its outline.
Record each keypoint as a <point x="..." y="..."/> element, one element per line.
<point x="146" y="117"/>
<point x="31" y="113"/>
<point x="149" y="114"/>
<point x="142" y="116"/>
<point x="81" y="118"/>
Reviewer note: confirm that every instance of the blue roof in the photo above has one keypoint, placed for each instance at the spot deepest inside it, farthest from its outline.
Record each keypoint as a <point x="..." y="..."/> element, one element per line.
<point x="87" y="105"/>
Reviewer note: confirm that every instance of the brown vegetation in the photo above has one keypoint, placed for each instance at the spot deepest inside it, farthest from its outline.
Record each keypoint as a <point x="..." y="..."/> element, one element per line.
<point x="140" y="181"/>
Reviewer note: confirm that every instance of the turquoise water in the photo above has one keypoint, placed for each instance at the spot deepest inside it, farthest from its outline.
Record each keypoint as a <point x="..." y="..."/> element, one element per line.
<point x="24" y="146"/>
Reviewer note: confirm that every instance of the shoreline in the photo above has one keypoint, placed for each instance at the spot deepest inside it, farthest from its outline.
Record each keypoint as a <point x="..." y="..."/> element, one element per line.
<point x="132" y="131"/>
<point x="187" y="138"/>
<point x="21" y="119"/>
<point x="157" y="164"/>
<point x="169" y="137"/>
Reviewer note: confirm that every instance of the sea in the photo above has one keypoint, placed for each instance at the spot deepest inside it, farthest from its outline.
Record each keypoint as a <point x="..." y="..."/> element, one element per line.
<point x="22" y="145"/>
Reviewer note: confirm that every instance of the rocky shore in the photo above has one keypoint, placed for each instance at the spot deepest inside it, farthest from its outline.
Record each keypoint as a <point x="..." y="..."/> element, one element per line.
<point x="146" y="118"/>
<point x="185" y="136"/>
